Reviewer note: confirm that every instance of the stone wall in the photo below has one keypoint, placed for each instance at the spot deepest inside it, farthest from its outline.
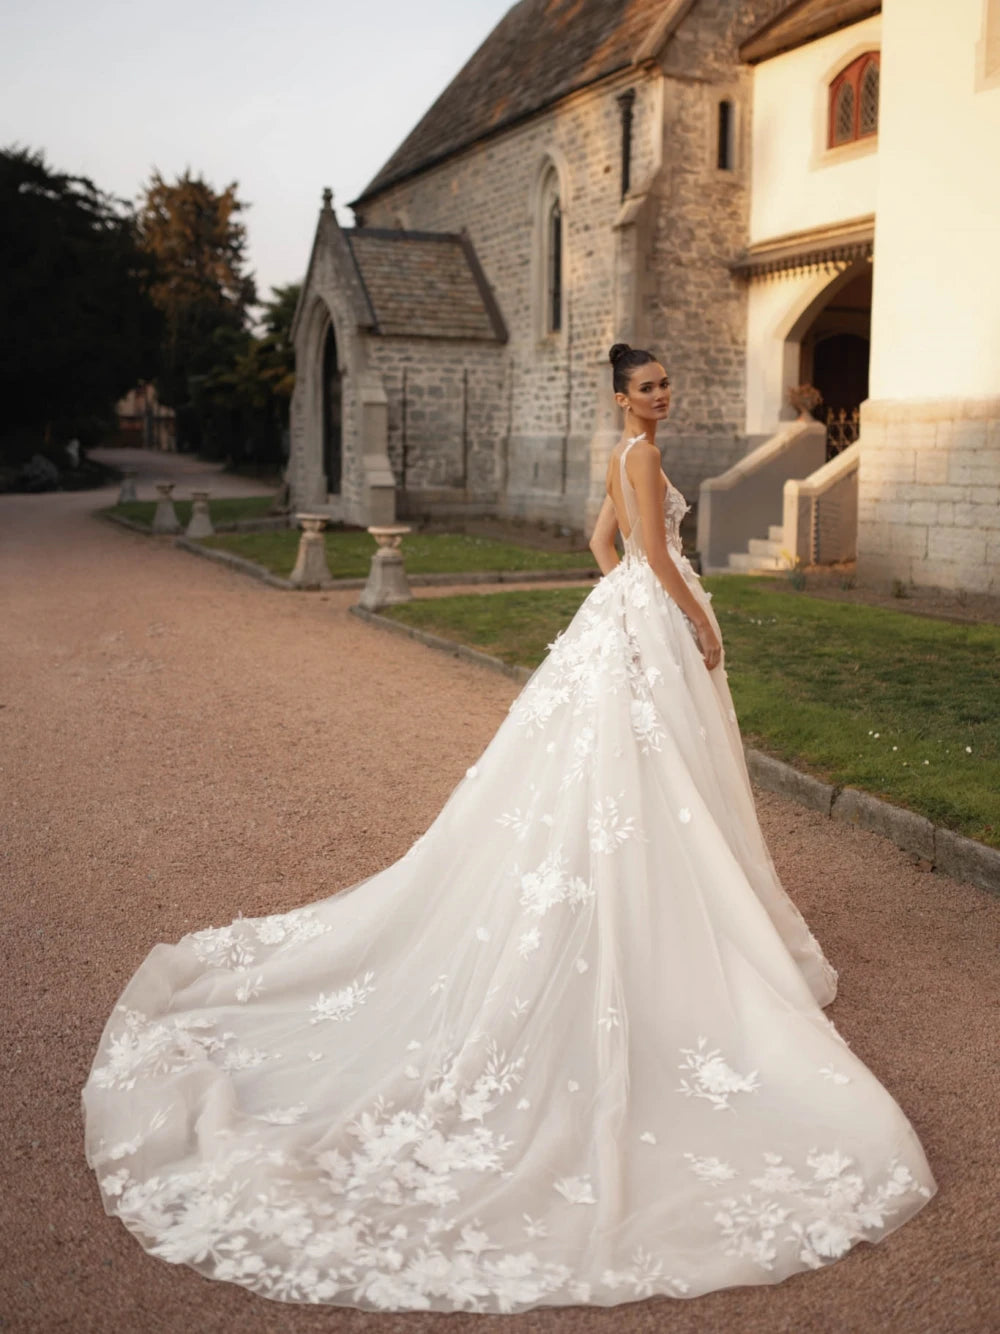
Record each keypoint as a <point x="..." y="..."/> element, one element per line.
<point x="695" y="311"/>
<point x="929" y="492"/>
<point x="448" y="405"/>
<point x="328" y="298"/>
<point x="686" y="306"/>
<point x="542" y="452"/>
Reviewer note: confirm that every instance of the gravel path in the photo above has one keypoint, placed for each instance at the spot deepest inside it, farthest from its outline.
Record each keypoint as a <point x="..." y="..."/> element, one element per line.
<point x="179" y="744"/>
<point x="184" y="470"/>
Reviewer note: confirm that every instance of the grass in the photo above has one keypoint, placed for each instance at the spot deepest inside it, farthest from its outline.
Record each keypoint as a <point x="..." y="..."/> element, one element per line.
<point x="229" y="509"/>
<point x="865" y="697"/>
<point x="349" y="553"/>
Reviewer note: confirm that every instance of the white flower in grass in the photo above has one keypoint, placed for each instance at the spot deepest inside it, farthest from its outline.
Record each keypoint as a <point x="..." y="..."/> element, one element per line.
<point x="968" y="750"/>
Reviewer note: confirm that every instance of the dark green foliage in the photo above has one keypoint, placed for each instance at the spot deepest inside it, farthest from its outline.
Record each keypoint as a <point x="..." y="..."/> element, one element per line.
<point x="229" y="387"/>
<point x="77" y="325"/>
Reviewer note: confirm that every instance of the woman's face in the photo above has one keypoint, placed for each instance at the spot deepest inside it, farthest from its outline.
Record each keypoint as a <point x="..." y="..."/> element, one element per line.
<point x="648" y="393"/>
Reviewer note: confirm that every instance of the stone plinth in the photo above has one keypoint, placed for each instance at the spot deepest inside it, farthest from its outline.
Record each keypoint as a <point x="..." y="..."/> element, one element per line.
<point x="127" y="490"/>
<point x="165" y="519"/>
<point x="387" y="577"/>
<point x="311" y="569"/>
<point x="200" y="523"/>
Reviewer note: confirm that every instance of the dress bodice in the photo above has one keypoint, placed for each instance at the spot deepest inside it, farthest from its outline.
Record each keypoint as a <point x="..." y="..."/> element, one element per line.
<point x="674" y="509"/>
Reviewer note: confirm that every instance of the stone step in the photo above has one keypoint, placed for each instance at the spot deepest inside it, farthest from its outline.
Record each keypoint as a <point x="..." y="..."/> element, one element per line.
<point x="747" y="563"/>
<point x="776" y="532"/>
<point x="764" y="546"/>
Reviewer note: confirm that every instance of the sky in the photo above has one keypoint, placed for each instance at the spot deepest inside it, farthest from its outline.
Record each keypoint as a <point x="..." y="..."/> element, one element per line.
<point x="283" y="98"/>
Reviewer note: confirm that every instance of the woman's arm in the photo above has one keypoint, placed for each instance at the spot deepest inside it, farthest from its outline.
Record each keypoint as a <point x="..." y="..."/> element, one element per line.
<point x="602" y="542"/>
<point x="643" y="467"/>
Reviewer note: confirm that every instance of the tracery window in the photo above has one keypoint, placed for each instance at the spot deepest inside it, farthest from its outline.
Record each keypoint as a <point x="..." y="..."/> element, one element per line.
<point x="853" y="105"/>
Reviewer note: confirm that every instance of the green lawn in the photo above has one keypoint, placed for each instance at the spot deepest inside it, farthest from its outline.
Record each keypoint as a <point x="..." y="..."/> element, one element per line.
<point x="227" y="510"/>
<point x="903" y="706"/>
<point x="349" y="553"/>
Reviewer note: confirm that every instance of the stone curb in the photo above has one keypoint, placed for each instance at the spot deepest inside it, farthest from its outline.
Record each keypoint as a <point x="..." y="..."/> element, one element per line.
<point x="122" y="522"/>
<point x="948" y="852"/>
<point x="415" y="580"/>
<point x="443" y="645"/>
<point x="234" y="562"/>
<point x="261" y="525"/>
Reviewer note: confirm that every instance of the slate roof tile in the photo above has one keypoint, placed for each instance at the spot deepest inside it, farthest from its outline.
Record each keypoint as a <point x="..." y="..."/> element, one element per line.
<point x="538" y="52"/>
<point x="424" y="284"/>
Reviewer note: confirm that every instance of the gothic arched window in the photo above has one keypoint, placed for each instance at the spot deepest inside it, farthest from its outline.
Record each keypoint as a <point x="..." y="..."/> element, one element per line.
<point x="552" y="253"/>
<point x="853" y="105"/>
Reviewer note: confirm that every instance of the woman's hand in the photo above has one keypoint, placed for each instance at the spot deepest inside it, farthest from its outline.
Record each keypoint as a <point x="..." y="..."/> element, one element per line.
<point x="709" y="643"/>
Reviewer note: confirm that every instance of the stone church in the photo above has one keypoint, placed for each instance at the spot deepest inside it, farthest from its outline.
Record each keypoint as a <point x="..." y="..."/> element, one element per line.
<point x="744" y="186"/>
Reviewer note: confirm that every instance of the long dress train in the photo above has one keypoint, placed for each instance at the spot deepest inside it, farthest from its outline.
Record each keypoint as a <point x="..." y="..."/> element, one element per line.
<point x="569" y="1049"/>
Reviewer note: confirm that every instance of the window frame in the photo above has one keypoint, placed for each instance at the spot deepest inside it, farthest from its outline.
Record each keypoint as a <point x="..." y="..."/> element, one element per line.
<point x="549" y="286"/>
<point x="852" y="75"/>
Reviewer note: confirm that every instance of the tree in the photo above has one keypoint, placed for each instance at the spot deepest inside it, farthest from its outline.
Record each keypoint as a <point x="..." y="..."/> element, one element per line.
<point x="246" y="396"/>
<point x="198" y="243"/>
<point x="77" y="324"/>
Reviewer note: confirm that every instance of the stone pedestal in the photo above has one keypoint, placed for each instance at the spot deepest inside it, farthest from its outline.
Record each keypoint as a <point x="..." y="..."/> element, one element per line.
<point x="311" y="569"/>
<point x="165" y="519"/>
<point x="387" y="577"/>
<point x="127" y="490"/>
<point x="200" y="523"/>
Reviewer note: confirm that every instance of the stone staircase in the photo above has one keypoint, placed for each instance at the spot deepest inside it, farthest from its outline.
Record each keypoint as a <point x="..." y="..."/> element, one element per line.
<point x="763" y="554"/>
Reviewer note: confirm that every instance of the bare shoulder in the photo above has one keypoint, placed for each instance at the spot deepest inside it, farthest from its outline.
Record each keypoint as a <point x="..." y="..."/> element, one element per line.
<point x="644" y="465"/>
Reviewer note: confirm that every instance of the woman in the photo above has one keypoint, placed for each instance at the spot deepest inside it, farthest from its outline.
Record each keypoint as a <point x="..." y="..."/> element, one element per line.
<point x="569" y="1049"/>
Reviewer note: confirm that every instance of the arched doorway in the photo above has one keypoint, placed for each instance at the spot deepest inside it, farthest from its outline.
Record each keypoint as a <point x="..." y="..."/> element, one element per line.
<point x="835" y="352"/>
<point x="332" y="414"/>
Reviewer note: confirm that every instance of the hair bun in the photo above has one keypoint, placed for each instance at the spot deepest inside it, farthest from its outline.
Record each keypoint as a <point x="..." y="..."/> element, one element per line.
<point x="618" y="351"/>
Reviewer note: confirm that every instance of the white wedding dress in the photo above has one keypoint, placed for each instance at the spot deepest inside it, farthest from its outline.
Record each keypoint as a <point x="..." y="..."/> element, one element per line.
<point x="569" y="1049"/>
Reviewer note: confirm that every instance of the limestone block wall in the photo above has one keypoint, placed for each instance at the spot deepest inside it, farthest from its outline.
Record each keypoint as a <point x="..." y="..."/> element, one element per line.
<point x="448" y="405"/>
<point x="929" y="492"/>
<point x="695" y="310"/>
<point x="542" y="451"/>
<point x="689" y="309"/>
<point x="326" y="303"/>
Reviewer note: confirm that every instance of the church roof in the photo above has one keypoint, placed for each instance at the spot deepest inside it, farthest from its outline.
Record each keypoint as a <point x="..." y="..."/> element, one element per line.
<point x="540" y="51"/>
<point x="803" y="22"/>
<point x="424" y="284"/>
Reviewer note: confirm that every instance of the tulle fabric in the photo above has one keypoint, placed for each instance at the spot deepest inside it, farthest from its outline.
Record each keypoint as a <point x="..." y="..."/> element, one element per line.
<point x="569" y="1049"/>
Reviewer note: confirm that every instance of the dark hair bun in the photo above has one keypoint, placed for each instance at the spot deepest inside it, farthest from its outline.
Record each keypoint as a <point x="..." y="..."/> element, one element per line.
<point x="618" y="351"/>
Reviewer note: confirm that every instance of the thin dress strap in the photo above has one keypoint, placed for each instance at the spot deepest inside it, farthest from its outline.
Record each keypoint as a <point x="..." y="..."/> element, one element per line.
<point x="628" y="492"/>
